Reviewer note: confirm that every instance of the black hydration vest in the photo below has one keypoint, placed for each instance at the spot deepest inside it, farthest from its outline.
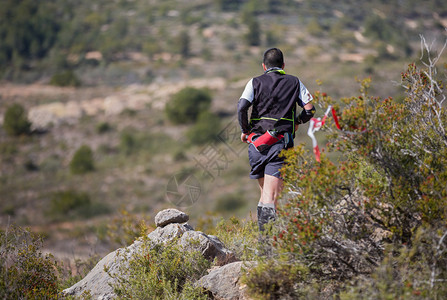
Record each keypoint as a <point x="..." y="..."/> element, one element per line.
<point x="274" y="105"/>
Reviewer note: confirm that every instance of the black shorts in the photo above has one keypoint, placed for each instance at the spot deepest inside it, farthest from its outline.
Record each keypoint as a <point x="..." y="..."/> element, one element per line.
<point x="266" y="162"/>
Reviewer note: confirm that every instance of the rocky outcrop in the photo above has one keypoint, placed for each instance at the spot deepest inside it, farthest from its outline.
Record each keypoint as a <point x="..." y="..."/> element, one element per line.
<point x="171" y="225"/>
<point x="224" y="282"/>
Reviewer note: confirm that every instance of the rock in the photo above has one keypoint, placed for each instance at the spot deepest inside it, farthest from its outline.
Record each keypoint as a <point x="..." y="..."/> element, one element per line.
<point x="224" y="282"/>
<point x="98" y="282"/>
<point x="42" y="116"/>
<point x="114" y="105"/>
<point x="170" y="215"/>
<point x="210" y="247"/>
<point x="168" y="233"/>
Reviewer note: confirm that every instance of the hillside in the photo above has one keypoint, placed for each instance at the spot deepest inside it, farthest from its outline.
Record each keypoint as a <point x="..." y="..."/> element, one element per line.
<point x="130" y="58"/>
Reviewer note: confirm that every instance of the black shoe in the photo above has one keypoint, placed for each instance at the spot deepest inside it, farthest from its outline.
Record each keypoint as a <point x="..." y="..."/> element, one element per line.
<point x="265" y="215"/>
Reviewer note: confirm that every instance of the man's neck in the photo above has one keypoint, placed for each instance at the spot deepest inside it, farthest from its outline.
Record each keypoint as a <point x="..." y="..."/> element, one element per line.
<point x="275" y="69"/>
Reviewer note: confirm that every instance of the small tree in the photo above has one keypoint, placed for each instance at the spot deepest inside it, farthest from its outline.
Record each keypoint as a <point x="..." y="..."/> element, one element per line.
<point x="185" y="106"/>
<point x="16" y="121"/>
<point x="182" y="44"/>
<point x="253" y="37"/>
<point x="82" y="161"/>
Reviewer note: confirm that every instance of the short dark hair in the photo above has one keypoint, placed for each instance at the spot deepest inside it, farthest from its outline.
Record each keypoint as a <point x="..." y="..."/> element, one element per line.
<point x="273" y="57"/>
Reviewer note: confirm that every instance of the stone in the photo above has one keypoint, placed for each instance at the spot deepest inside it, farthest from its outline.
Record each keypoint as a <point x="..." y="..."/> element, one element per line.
<point x="210" y="247"/>
<point x="98" y="282"/>
<point x="224" y="282"/>
<point x="168" y="233"/>
<point x="170" y="215"/>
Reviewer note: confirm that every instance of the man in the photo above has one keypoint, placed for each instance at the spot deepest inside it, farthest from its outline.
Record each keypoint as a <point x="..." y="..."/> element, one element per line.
<point x="273" y="97"/>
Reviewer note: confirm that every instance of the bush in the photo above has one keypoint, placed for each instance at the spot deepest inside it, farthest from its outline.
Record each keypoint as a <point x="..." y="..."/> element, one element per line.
<point x="230" y="203"/>
<point x="25" y="272"/>
<point x="125" y="228"/>
<point x="205" y="130"/>
<point x="238" y="236"/>
<point x="82" y="161"/>
<point x="73" y="204"/>
<point x="103" y="127"/>
<point x="128" y="142"/>
<point x="275" y="279"/>
<point x="66" y="203"/>
<point x="253" y="37"/>
<point x="65" y="78"/>
<point x="410" y="272"/>
<point x="16" y="121"/>
<point x="162" y="271"/>
<point x="186" y="105"/>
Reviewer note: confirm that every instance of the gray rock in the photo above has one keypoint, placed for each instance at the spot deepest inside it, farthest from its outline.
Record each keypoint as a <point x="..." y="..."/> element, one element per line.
<point x="224" y="282"/>
<point x="168" y="233"/>
<point x="170" y="215"/>
<point x="99" y="283"/>
<point x="210" y="246"/>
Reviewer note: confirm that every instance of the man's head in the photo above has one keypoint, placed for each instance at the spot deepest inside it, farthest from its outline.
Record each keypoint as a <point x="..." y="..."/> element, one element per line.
<point x="273" y="58"/>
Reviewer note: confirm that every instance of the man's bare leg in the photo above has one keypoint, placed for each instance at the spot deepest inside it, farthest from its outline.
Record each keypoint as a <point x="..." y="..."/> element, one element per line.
<point x="261" y="187"/>
<point x="271" y="189"/>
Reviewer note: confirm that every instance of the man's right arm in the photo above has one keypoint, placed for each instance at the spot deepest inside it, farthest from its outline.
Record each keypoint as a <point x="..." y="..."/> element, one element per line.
<point x="242" y="114"/>
<point x="242" y="109"/>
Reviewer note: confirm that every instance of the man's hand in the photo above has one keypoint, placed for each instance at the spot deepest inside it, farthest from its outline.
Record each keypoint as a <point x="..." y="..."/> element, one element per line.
<point x="244" y="137"/>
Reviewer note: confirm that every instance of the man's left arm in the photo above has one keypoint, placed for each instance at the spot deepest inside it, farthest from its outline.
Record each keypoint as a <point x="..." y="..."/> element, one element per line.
<point x="306" y="114"/>
<point x="308" y="109"/>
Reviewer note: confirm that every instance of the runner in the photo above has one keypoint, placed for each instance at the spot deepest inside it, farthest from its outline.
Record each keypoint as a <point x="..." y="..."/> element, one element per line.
<point x="271" y="128"/>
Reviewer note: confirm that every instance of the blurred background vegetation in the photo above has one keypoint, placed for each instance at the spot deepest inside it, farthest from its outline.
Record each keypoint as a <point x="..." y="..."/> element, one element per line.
<point x="70" y="179"/>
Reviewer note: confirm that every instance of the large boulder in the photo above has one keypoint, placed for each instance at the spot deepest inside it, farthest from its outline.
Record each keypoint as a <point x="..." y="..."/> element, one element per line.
<point x="224" y="282"/>
<point x="210" y="246"/>
<point x="99" y="281"/>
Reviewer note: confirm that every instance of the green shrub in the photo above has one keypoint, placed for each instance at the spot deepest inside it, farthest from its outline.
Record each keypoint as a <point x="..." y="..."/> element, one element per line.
<point x="25" y="272"/>
<point x="128" y="142"/>
<point x="125" y="228"/>
<point x="65" y="78"/>
<point x="163" y="272"/>
<point x="186" y="105"/>
<point x="66" y="203"/>
<point x="82" y="161"/>
<point x="275" y="279"/>
<point x="314" y="28"/>
<point x="413" y="271"/>
<point x="239" y="236"/>
<point x="73" y="204"/>
<point x="16" y="120"/>
<point x="103" y="127"/>
<point x="205" y="129"/>
<point x="230" y="203"/>
<point x="253" y="37"/>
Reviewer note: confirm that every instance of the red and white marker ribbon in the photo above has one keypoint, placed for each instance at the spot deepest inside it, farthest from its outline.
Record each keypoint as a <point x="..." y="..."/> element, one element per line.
<point x="316" y="124"/>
